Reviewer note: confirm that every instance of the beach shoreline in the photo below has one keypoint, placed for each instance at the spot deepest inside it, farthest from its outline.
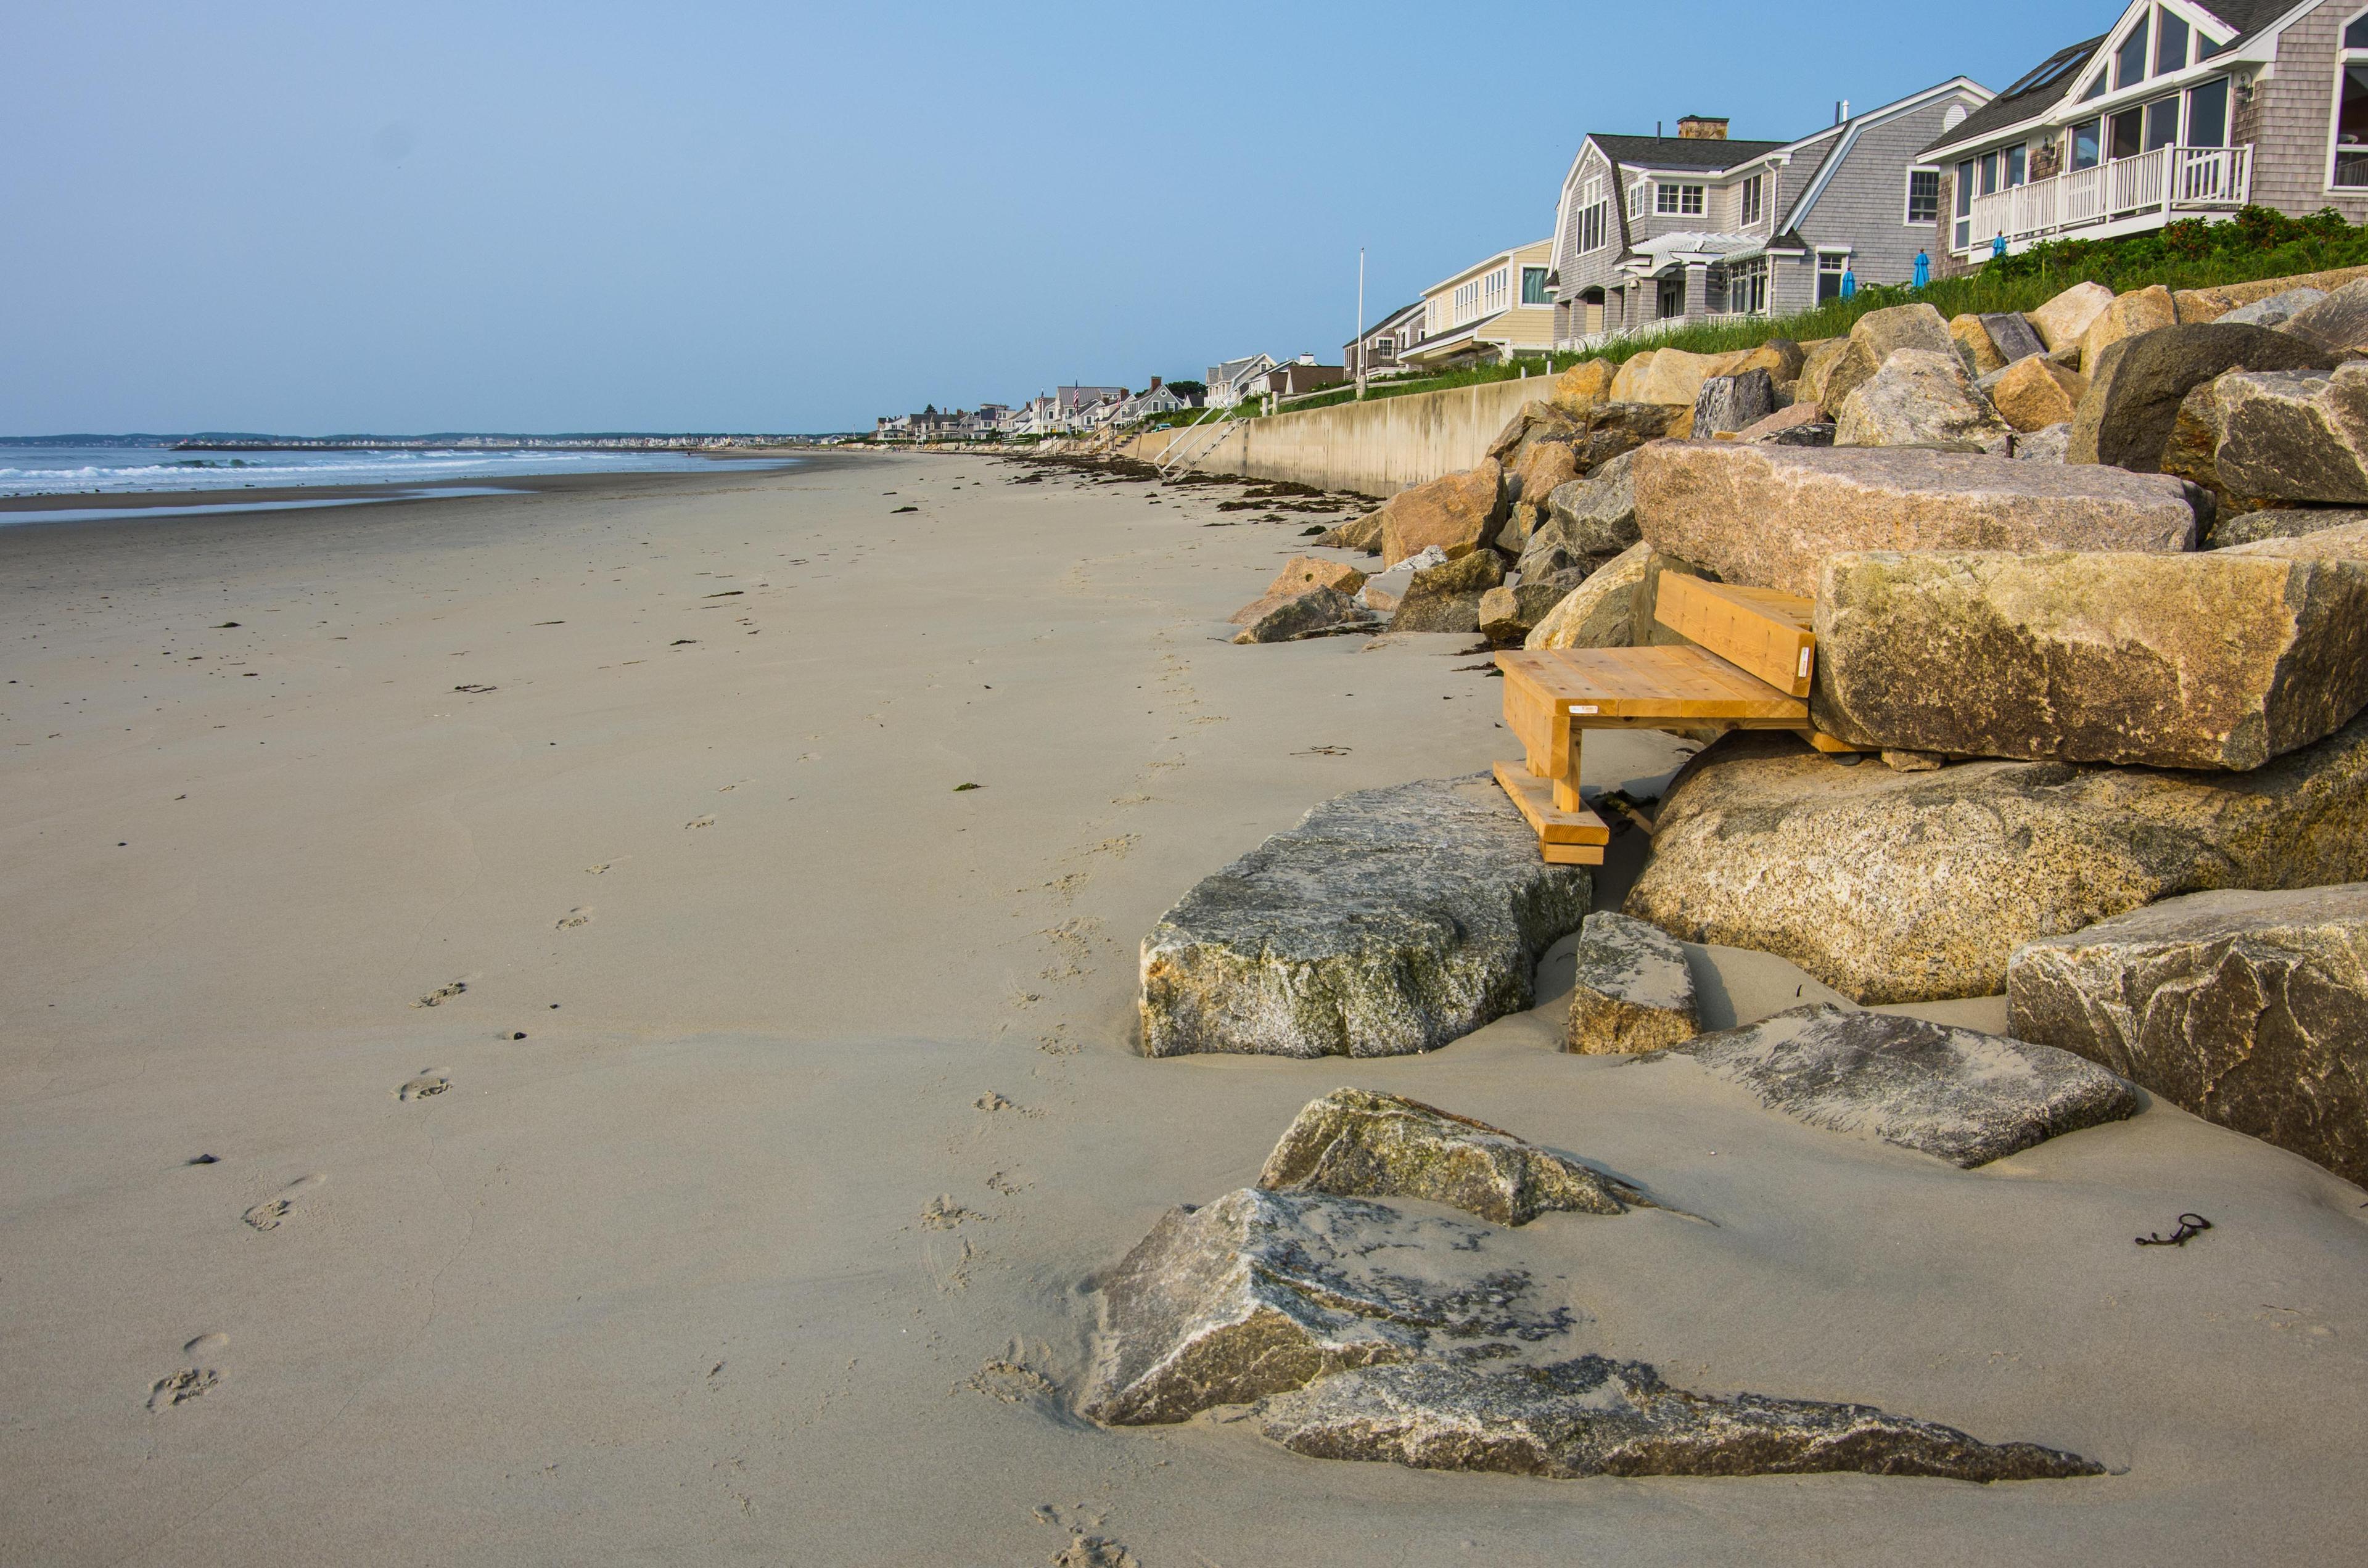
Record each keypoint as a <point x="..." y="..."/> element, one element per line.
<point x="511" y="1000"/>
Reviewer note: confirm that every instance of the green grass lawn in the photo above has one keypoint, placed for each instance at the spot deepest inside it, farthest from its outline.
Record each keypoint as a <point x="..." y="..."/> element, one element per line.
<point x="2258" y="242"/>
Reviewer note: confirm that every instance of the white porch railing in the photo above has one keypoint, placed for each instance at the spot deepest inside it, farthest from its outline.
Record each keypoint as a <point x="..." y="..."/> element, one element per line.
<point x="2157" y="186"/>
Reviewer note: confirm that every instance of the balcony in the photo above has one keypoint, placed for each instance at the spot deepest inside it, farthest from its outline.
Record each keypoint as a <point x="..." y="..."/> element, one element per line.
<point x="2123" y="197"/>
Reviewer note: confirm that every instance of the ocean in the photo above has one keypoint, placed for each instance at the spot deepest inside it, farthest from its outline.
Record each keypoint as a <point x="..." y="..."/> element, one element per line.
<point x="119" y="470"/>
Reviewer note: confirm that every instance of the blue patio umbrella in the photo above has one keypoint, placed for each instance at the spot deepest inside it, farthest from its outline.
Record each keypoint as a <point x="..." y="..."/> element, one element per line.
<point x="1850" y="281"/>
<point x="1923" y="269"/>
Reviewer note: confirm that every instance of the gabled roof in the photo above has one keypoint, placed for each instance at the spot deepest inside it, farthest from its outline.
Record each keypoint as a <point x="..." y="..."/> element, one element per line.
<point x="1392" y="319"/>
<point x="2046" y="85"/>
<point x="1680" y="152"/>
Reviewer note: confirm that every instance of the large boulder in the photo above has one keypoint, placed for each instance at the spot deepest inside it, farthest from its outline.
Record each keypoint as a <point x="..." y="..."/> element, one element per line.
<point x="2045" y="445"/>
<point x="2011" y="333"/>
<point x="1875" y="337"/>
<point x="2126" y="415"/>
<point x="1600" y="612"/>
<point x="1919" y="398"/>
<point x="1446" y="597"/>
<point x="1357" y="533"/>
<point x="1389" y="921"/>
<point x="1630" y="377"/>
<point x="1592" y="1416"/>
<point x="2282" y="523"/>
<point x="1595" y="515"/>
<point x="2063" y="320"/>
<point x="2335" y="541"/>
<point x="1310" y="614"/>
<point x="1734" y="402"/>
<point x="2140" y="310"/>
<point x="2295" y="437"/>
<point x="1609" y="429"/>
<point x="1508" y="614"/>
<point x="1262" y="1291"/>
<point x="1780" y="357"/>
<point x="1546" y="466"/>
<point x="2206" y="304"/>
<point x="1301" y="574"/>
<point x="2275" y="310"/>
<point x="2338" y="323"/>
<point x="1911" y="887"/>
<point x="1956" y="1094"/>
<point x="1974" y="345"/>
<point x="2035" y="393"/>
<point x="1361" y="1143"/>
<point x="1584" y="385"/>
<point x="1817" y="362"/>
<point x="1796" y="424"/>
<point x="1537" y="421"/>
<point x="1633" y="992"/>
<point x="1460" y="514"/>
<point x="1765" y="515"/>
<point x="1671" y="377"/>
<point x="2206" y="660"/>
<point x="2249" y="1009"/>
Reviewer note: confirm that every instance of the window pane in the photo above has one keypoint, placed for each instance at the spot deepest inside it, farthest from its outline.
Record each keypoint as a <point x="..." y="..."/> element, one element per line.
<point x="2014" y="165"/>
<point x="1533" y="285"/>
<point x="2352" y="129"/>
<point x="2127" y="127"/>
<point x="2084" y="146"/>
<point x="2207" y="115"/>
<point x="2161" y="123"/>
<point x="2095" y="89"/>
<point x="1964" y="190"/>
<point x="2170" y="47"/>
<point x="1923" y="195"/>
<point x="2129" y="61"/>
<point x="2356" y="35"/>
<point x="1989" y="173"/>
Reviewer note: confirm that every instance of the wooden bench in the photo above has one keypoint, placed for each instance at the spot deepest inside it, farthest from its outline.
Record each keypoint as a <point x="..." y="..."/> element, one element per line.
<point x="1746" y="665"/>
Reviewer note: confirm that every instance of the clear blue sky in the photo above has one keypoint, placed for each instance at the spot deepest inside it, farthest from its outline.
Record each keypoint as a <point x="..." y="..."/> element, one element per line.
<point x="326" y="216"/>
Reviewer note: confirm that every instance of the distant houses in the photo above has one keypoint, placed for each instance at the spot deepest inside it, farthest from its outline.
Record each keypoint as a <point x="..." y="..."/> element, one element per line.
<point x="2179" y="109"/>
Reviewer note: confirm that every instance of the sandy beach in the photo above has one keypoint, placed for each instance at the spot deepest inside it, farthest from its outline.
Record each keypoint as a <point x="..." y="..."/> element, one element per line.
<point x="558" y="1071"/>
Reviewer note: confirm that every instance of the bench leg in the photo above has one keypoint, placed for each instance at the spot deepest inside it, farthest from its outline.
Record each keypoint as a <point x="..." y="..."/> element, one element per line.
<point x="1565" y="784"/>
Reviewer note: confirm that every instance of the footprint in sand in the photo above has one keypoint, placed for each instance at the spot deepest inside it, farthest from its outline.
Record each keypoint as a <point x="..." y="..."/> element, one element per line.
<point x="180" y="1388"/>
<point x="701" y="821"/>
<point x="443" y="994"/>
<point x="428" y="1085"/>
<point x="580" y="915"/>
<point x="266" y="1215"/>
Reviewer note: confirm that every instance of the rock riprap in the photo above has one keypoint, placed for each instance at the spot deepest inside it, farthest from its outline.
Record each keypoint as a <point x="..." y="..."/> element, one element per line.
<point x="1361" y="1143"/>
<point x="1765" y="515"/>
<point x="1460" y="514"/>
<point x="1592" y="1416"/>
<point x="1633" y="989"/>
<point x="1303" y="615"/>
<point x="1600" y="612"/>
<point x="1388" y="920"/>
<point x="1874" y="338"/>
<point x="2191" y="660"/>
<point x="1595" y="515"/>
<point x="1920" y="397"/>
<point x="2249" y="1009"/>
<point x="1912" y="887"/>
<point x="1446" y="597"/>
<point x="2130" y="406"/>
<point x="2294" y="436"/>
<point x="1734" y="402"/>
<point x="1262" y="1291"/>
<point x="1956" y="1094"/>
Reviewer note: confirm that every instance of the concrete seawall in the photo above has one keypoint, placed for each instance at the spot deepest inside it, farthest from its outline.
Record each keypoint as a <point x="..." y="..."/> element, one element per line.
<point x="1376" y="447"/>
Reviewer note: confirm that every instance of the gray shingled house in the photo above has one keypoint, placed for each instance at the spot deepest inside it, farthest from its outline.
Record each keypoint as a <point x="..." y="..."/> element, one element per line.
<point x="1698" y="226"/>
<point x="2177" y="110"/>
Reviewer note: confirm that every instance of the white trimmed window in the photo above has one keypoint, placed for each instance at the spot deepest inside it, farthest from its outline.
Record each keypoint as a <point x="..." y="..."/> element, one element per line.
<point x="1923" y="196"/>
<point x="1636" y="198"/>
<point x="1593" y="217"/>
<point x="1750" y="191"/>
<point x="2351" y="170"/>
<point x="1682" y="199"/>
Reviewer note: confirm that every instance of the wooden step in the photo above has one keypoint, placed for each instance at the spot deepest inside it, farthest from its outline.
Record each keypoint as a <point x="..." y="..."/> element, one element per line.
<point x="1758" y="629"/>
<point x="1564" y="837"/>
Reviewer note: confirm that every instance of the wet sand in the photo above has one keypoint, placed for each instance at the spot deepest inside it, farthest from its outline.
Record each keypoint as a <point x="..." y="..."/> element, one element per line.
<point x="737" y="1199"/>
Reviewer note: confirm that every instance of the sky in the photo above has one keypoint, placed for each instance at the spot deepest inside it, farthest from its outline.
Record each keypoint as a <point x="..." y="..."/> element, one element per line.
<point x="319" y="218"/>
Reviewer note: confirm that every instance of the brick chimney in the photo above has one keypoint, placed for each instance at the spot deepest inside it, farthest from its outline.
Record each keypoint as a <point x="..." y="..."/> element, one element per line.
<point x="1702" y="127"/>
<point x="1155" y="385"/>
